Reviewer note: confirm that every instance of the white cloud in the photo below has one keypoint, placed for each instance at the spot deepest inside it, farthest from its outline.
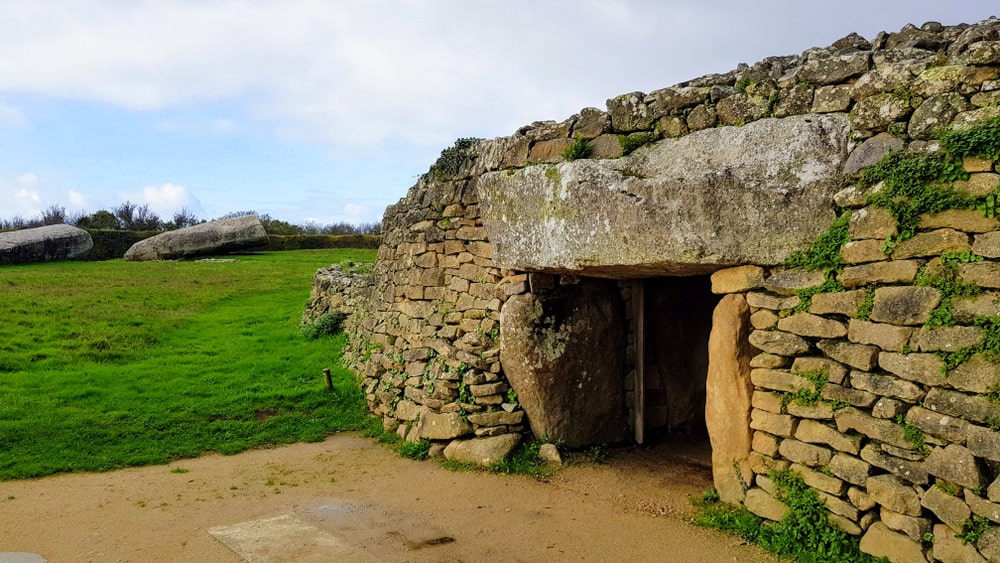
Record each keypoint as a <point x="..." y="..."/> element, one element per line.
<point x="355" y="211"/>
<point x="364" y="72"/>
<point x="76" y="199"/>
<point x="27" y="179"/>
<point x="166" y="199"/>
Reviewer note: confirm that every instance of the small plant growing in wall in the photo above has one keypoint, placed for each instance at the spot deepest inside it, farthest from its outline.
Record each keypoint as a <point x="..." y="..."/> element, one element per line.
<point x="579" y="149"/>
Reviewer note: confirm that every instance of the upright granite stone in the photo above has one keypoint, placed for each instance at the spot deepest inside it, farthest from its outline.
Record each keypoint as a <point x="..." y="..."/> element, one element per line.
<point x="43" y="244"/>
<point x="563" y="355"/>
<point x="675" y="207"/>
<point x="727" y="406"/>
<point x="214" y="237"/>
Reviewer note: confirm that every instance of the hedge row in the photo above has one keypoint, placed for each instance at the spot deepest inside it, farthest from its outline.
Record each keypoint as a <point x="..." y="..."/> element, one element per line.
<point x="109" y="244"/>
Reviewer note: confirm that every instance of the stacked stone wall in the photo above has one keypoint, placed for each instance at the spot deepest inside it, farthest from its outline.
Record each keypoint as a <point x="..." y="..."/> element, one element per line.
<point x="882" y="394"/>
<point x="899" y="452"/>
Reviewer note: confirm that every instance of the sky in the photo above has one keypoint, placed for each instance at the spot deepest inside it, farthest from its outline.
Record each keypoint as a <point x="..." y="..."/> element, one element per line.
<point x="326" y="111"/>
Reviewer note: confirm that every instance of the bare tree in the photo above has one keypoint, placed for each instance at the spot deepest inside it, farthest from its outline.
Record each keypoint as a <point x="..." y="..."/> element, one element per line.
<point x="54" y="215"/>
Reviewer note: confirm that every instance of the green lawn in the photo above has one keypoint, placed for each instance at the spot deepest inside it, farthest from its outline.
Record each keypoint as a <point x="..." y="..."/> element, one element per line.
<point x="112" y="364"/>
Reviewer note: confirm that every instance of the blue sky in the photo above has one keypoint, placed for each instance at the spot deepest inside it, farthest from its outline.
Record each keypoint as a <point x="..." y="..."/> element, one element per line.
<point x="327" y="111"/>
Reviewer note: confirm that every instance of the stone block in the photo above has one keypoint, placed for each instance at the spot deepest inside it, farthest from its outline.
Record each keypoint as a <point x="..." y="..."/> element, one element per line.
<point x="966" y="309"/>
<point x="760" y="300"/>
<point x="778" y="380"/>
<point x="889" y="408"/>
<point x="482" y="451"/>
<point x="498" y="418"/>
<point x="880" y="541"/>
<point x="764" y="319"/>
<point x="862" y="251"/>
<point x="988" y="244"/>
<point x="839" y="303"/>
<point x="789" y="282"/>
<point x="913" y="527"/>
<point x="831" y="98"/>
<point x="606" y="146"/>
<point x="886" y="386"/>
<point x="956" y="464"/>
<point x="850" y="468"/>
<point x="780" y="343"/>
<point x="777" y="424"/>
<point x="828" y="485"/>
<point x="983" y="274"/>
<point x="935" y="113"/>
<point x="885" y="336"/>
<point x="807" y="324"/>
<point x="970" y="407"/>
<point x="768" y="401"/>
<point x="932" y="243"/>
<point x="443" y="426"/>
<point x="814" y="432"/>
<point x="905" y="305"/>
<point x="858" y="356"/>
<point x="937" y="424"/>
<point x="978" y="185"/>
<point x="807" y="454"/>
<point x="948" y="339"/>
<point x="835" y="371"/>
<point x="738" y="279"/>
<point x="892" y="493"/>
<point x="922" y="368"/>
<point x="855" y="397"/>
<point x="910" y="470"/>
<point x="965" y="220"/>
<point x="989" y="544"/>
<point x="871" y="223"/>
<point x="770" y="361"/>
<point x="765" y="443"/>
<point x="870" y="152"/>
<point x="820" y="411"/>
<point x="983" y="442"/>
<point x="850" y="418"/>
<point x="953" y="511"/>
<point x="977" y="164"/>
<point x="977" y="375"/>
<point x="764" y="505"/>
<point x="895" y="271"/>
<point x="841" y="523"/>
<point x="949" y="549"/>
<point x="861" y="499"/>
<point x="982" y="507"/>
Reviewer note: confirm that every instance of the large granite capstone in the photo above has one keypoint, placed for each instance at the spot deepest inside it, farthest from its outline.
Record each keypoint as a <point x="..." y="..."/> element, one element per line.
<point x="42" y="244"/>
<point x="688" y="206"/>
<point x="214" y="237"/>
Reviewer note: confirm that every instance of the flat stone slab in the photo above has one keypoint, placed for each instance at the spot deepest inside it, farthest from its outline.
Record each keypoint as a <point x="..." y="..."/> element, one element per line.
<point x="718" y="197"/>
<point x="332" y="530"/>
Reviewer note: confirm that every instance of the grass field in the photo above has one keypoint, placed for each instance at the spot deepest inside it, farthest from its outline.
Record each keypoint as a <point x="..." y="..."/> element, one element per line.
<point x="112" y="364"/>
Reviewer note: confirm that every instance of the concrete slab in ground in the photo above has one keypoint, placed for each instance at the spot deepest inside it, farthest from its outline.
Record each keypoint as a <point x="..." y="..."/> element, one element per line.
<point x="11" y="557"/>
<point x="331" y="529"/>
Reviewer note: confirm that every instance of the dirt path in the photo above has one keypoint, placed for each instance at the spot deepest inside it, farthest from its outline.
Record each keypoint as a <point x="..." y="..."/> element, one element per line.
<point x="374" y="505"/>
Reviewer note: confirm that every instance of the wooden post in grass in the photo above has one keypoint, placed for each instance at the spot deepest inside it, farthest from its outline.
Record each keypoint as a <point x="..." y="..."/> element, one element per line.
<point x="327" y="378"/>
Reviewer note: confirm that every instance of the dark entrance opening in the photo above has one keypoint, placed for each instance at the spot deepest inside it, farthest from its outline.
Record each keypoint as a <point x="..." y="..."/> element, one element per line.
<point x="675" y="323"/>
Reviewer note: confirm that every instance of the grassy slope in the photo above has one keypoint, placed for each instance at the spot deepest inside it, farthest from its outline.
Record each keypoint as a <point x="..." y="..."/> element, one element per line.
<point x="111" y="364"/>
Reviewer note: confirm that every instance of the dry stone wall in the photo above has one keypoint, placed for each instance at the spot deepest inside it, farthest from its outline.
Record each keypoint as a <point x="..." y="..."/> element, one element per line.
<point x="840" y="378"/>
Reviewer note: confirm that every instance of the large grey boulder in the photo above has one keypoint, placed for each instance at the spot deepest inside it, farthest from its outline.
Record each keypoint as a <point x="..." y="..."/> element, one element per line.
<point x="42" y="244"/>
<point x="563" y="354"/>
<point x="717" y="197"/>
<point x="213" y="237"/>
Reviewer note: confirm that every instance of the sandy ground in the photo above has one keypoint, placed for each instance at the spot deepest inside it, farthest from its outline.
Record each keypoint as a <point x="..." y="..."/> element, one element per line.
<point x="374" y="505"/>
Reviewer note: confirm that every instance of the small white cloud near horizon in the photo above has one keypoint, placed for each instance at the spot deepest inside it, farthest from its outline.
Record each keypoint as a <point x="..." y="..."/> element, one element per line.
<point x="167" y="199"/>
<point x="77" y="199"/>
